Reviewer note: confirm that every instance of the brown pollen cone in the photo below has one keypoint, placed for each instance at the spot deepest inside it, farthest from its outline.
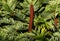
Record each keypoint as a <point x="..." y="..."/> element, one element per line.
<point x="31" y="18"/>
<point x="56" y="22"/>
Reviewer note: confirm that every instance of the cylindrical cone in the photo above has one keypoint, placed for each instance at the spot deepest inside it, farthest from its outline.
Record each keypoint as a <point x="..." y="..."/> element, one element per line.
<point x="31" y="17"/>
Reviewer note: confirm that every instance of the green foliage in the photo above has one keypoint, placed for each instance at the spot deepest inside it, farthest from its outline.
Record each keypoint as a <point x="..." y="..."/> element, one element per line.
<point x="14" y="20"/>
